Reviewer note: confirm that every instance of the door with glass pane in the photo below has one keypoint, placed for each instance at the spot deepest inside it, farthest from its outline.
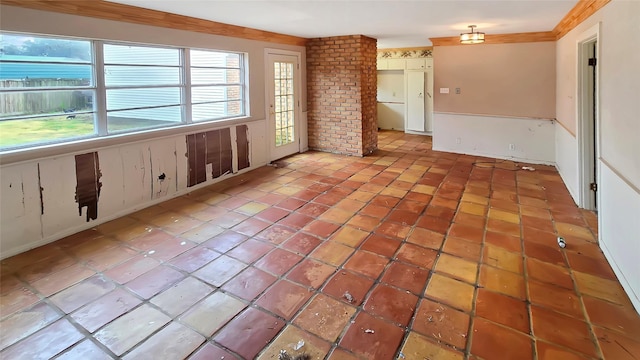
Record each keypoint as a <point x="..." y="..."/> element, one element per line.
<point x="283" y="104"/>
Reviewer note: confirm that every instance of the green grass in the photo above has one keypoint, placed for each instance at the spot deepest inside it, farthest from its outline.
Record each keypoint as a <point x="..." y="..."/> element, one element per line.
<point x="15" y="133"/>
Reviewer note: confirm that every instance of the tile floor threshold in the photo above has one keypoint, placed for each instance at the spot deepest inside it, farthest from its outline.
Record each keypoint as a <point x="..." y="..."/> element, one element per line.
<point x="405" y="254"/>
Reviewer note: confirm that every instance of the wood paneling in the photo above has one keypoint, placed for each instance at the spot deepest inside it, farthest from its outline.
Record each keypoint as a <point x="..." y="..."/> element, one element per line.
<point x="132" y="14"/>
<point x="500" y="38"/>
<point x="580" y="12"/>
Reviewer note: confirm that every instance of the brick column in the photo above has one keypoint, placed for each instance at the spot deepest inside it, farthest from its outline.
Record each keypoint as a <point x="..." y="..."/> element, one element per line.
<point x="342" y="90"/>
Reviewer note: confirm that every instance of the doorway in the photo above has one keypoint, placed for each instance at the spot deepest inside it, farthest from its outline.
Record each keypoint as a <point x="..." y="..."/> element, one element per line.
<point x="588" y="119"/>
<point x="283" y="103"/>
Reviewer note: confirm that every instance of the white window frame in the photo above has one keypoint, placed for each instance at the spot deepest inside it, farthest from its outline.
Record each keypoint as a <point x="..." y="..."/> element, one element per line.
<point x="98" y="86"/>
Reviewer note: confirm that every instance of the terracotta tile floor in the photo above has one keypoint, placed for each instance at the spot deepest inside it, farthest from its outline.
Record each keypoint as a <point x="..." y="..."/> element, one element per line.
<point x="408" y="253"/>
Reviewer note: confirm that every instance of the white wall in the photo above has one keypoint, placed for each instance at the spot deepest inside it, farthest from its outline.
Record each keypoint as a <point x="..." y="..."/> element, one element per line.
<point x="129" y="168"/>
<point x="566" y="158"/>
<point x="619" y="128"/>
<point x="491" y="136"/>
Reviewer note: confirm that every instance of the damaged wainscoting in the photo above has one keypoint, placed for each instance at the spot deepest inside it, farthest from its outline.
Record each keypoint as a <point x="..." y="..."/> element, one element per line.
<point x="46" y="199"/>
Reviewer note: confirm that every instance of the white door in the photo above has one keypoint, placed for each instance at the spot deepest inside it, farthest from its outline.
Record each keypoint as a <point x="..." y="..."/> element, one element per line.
<point x="283" y="104"/>
<point x="416" y="100"/>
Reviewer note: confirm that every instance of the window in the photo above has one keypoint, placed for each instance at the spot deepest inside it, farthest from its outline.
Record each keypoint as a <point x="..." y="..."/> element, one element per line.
<point x="143" y="87"/>
<point x="47" y="90"/>
<point x="216" y="91"/>
<point x="57" y="90"/>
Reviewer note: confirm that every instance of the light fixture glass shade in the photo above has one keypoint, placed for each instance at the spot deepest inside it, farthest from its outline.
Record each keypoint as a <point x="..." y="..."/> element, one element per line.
<point x="472" y="37"/>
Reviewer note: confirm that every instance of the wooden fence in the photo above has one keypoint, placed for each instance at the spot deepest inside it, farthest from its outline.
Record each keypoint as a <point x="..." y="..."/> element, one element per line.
<point x="43" y="101"/>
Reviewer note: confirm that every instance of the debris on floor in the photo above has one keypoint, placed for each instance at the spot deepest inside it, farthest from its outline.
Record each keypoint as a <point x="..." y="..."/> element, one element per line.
<point x="298" y="346"/>
<point x="528" y="168"/>
<point x="348" y="297"/>
<point x="369" y="331"/>
<point x="561" y="242"/>
<point x="285" y="356"/>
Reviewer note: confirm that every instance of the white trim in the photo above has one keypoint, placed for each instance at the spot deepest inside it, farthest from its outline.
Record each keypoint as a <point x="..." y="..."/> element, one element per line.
<point x="297" y="91"/>
<point x="584" y="128"/>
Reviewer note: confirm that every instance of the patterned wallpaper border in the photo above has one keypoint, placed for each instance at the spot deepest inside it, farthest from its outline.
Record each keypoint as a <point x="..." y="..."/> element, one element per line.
<point x="404" y="54"/>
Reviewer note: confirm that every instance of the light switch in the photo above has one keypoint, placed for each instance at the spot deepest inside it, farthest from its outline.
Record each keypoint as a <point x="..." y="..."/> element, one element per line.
<point x="458" y="91"/>
<point x="444" y="90"/>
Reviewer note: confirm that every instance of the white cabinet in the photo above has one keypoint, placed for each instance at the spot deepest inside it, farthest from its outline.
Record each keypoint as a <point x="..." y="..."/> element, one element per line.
<point x="416" y="64"/>
<point x="383" y="64"/>
<point x="396" y="64"/>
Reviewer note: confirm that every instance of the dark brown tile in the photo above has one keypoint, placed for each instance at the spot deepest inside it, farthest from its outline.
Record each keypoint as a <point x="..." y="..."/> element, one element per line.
<point x="492" y="341"/>
<point x="594" y="266"/>
<point x="544" y="253"/>
<point x="548" y="351"/>
<point x="380" y="342"/>
<point x="463" y="248"/>
<point x="623" y="319"/>
<point x="296" y="221"/>
<point x="549" y="273"/>
<point x="249" y="332"/>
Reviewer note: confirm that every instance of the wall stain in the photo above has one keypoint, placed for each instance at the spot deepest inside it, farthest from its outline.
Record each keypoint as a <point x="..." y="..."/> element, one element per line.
<point x="88" y="184"/>
<point x="41" y="189"/>
<point x="242" y="138"/>
<point x="210" y="147"/>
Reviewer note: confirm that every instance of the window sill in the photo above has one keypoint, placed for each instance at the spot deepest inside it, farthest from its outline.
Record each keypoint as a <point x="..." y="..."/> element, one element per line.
<point x="93" y="144"/>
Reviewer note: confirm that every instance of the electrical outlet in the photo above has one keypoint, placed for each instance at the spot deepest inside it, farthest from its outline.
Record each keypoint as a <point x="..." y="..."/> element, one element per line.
<point x="512" y="147"/>
<point x="458" y="140"/>
<point x="444" y="90"/>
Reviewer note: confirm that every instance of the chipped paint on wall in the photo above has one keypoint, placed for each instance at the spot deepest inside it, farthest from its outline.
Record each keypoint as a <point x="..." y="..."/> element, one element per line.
<point x="88" y="184"/>
<point x="242" y="139"/>
<point x="208" y="153"/>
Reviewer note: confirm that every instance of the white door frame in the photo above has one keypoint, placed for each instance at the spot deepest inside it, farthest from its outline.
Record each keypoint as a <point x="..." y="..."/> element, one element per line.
<point x="297" y="89"/>
<point x="585" y="127"/>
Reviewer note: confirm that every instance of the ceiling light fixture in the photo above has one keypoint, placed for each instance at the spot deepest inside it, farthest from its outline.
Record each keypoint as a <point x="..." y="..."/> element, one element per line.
<point x="472" y="37"/>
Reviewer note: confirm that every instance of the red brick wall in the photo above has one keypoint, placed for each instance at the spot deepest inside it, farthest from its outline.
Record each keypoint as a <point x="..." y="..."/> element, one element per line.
<point x="342" y="87"/>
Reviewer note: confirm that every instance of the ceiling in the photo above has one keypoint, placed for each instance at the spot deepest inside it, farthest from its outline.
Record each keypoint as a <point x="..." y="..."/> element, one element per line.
<point x="395" y="23"/>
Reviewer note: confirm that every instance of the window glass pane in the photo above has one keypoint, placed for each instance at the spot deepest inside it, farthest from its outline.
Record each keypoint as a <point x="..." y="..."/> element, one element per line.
<point x="118" y="99"/>
<point x="214" y="59"/>
<point x="200" y="94"/>
<point x="141" y="75"/>
<point x="211" y="111"/>
<point x="30" y="48"/>
<point x="45" y="129"/>
<point x="201" y="76"/>
<point x="13" y="104"/>
<point x="128" y="120"/>
<point x="21" y="74"/>
<point x="140" y="55"/>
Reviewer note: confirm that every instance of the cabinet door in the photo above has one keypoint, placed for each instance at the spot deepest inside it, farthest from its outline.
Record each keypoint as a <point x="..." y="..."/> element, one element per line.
<point x="396" y="64"/>
<point x="416" y="64"/>
<point x="383" y="64"/>
<point x="416" y="100"/>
